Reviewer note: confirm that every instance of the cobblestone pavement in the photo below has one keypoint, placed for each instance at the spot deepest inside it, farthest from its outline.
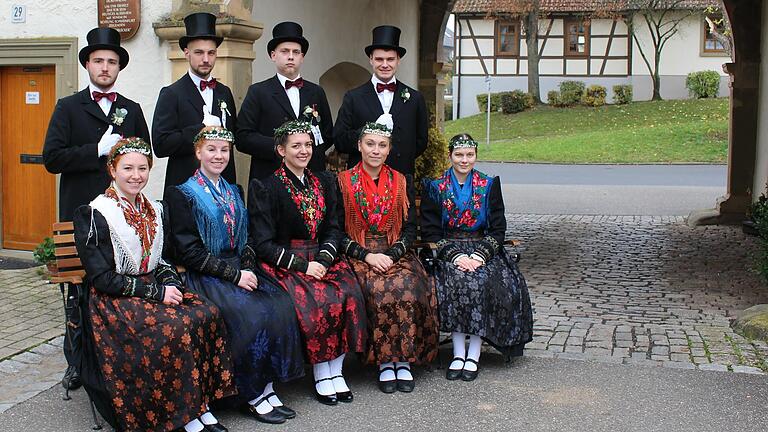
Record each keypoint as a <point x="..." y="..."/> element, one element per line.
<point x="31" y="309"/>
<point x="619" y="289"/>
<point x="640" y="290"/>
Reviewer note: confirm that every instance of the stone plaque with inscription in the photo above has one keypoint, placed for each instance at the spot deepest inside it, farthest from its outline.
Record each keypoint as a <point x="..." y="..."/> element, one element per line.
<point x="121" y="15"/>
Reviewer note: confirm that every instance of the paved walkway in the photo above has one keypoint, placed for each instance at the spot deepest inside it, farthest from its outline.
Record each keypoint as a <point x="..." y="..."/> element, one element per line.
<point x="641" y="291"/>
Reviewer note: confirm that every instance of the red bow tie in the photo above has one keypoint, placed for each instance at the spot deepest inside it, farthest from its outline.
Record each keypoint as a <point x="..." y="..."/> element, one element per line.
<point x="391" y="87"/>
<point x="298" y="83"/>
<point x="208" y="84"/>
<point x="98" y="96"/>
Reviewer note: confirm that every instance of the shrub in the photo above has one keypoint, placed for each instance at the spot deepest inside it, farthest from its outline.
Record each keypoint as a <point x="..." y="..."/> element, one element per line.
<point x="594" y="96"/>
<point x="553" y="98"/>
<point x="571" y="92"/>
<point x="45" y="252"/>
<point x="622" y="94"/>
<point x="495" y="102"/>
<point x="448" y="110"/>
<point x="759" y="214"/>
<point x="703" y="84"/>
<point x="434" y="161"/>
<point x="515" y="101"/>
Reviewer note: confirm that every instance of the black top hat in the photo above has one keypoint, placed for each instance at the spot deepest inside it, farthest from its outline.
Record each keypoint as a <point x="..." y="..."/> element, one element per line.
<point x="386" y="37"/>
<point x="200" y="25"/>
<point x="287" y="31"/>
<point x="104" y="38"/>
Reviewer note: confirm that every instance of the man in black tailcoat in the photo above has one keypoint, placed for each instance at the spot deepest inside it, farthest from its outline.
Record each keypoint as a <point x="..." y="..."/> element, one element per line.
<point x="194" y="101"/>
<point x="285" y="96"/>
<point x="386" y="100"/>
<point x="82" y="130"/>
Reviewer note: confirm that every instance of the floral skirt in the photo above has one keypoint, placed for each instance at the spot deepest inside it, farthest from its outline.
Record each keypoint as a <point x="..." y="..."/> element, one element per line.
<point x="401" y="306"/>
<point x="493" y="302"/>
<point x="263" y="333"/>
<point x="331" y="311"/>
<point x="162" y="364"/>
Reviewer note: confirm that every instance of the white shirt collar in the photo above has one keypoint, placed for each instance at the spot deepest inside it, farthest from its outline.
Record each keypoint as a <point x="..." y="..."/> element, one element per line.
<point x="196" y="79"/>
<point x="283" y="79"/>
<point x="92" y="88"/>
<point x="375" y="80"/>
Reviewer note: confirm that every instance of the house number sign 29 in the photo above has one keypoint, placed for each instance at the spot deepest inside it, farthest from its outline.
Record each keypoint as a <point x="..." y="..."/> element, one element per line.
<point x="18" y="14"/>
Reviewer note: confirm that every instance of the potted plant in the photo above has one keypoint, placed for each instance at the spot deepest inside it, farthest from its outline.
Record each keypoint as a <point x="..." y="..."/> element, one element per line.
<point x="45" y="253"/>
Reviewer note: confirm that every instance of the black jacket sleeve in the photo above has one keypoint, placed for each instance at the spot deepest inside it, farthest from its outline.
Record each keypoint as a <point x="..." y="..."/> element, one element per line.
<point x="60" y="155"/>
<point x="345" y="134"/>
<point x="94" y="246"/>
<point x="408" y="234"/>
<point x="264" y="214"/>
<point x="328" y="239"/>
<point x="497" y="223"/>
<point x="189" y="246"/>
<point x="167" y="137"/>
<point x="249" y="139"/>
<point x="326" y="125"/>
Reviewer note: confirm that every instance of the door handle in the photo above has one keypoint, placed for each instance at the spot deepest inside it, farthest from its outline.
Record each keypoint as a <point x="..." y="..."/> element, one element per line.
<point x="31" y="159"/>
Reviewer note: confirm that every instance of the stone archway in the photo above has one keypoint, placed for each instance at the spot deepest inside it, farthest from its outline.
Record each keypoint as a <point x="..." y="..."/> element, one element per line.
<point x="340" y="78"/>
<point x="434" y="16"/>
<point x="745" y="17"/>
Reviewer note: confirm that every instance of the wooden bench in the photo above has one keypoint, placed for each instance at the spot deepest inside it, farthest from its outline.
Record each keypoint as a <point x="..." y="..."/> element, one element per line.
<point x="70" y="272"/>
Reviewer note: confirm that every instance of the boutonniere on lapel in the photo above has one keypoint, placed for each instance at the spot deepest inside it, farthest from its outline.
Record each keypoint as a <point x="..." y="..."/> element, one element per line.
<point x="310" y="112"/>
<point x="224" y="110"/>
<point x="119" y="116"/>
<point x="405" y="94"/>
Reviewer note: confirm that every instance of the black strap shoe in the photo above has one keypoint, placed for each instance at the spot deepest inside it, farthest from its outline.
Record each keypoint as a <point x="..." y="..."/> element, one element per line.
<point x="470" y="375"/>
<point x="405" y="386"/>
<point x="325" y="400"/>
<point x="282" y="409"/>
<point x="216" y="427"/>
<point x="454" y="374"/>
<point x="272" y="417"/>
<point x="346" y="396"/>
<point x="387" y="386"/>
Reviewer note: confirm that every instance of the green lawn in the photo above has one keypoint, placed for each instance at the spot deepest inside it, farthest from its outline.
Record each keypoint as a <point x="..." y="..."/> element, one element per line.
<point x="641" y="132"/>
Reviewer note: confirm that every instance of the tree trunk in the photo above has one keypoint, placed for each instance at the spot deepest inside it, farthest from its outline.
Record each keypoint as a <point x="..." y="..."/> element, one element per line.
<point x="532" y="44"/>
<point x="657" y="76"/>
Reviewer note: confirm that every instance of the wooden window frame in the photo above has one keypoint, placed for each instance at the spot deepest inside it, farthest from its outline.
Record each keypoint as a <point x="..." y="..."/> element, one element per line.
<point x="497" y="36"/>
<point x="566" y="46"/>
<point x="705" y="52"/>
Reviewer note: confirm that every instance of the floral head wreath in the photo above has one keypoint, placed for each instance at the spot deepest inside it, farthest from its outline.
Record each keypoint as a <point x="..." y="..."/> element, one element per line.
<point x="462" y="141"/>
<point x="376" y="129"/>
<point x="215" y="133"/>
<point x="129" y="145"/>
<point x="293" y="127"/>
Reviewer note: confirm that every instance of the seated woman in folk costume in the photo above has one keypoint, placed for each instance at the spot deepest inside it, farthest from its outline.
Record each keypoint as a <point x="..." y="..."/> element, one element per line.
<point x="481" y="292"/>
<point x="380" y="222"/>
<point x="162" y="351"/>
<point x="209" y="225"/>
<point x="294" y="230"/>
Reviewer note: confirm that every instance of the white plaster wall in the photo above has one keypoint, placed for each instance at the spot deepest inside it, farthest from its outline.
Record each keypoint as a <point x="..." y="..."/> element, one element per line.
<point x="761" y="157"/>
<point x="147" y="71"/>
<point x="681" y="54"/>
<point x="337" y="31"/>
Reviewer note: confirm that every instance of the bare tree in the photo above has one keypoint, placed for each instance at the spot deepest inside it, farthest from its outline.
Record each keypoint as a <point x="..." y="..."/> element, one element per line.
<point x="662" y="19"/>
<point x="720" y="26"/>
<point x="528" y="11"/>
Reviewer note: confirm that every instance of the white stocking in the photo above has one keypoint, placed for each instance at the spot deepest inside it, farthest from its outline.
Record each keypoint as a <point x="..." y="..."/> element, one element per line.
<point x="403" y="374"/>
<point x="322" y="371"/>
<point x="475" y="344"/>
<point x="459" y="350"/>
<point x="389" y="374"/>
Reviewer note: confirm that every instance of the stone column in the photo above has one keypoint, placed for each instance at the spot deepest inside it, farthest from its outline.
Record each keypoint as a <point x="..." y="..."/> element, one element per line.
<point x="744" y="85"/>
<point x="434" y="14"/>
<point x="235" y="54"/>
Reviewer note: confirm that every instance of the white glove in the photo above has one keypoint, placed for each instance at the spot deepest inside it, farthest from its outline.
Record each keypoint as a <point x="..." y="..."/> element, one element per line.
<point x="386" y="120"/>
<point x="210" y="119"/>
<point x="107" y="141"/>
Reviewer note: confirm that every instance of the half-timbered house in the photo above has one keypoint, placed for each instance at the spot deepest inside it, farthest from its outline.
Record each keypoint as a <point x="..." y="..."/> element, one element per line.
<point x="576" y="42"/>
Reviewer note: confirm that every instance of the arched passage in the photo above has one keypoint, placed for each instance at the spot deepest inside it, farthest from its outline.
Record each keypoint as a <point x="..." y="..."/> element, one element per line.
<point x="340" y="78"/>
